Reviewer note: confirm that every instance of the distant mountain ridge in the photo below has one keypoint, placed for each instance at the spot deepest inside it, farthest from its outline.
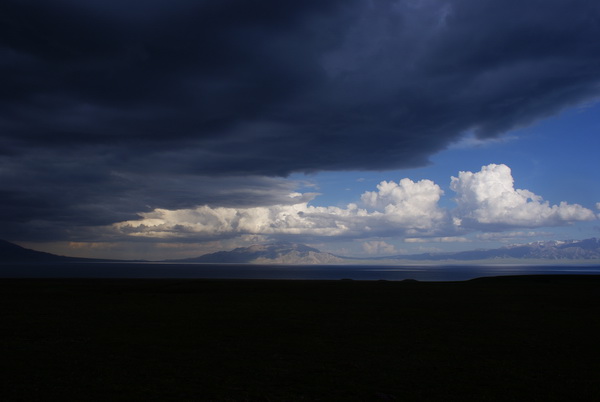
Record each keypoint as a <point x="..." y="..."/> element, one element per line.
<point x="277" y="253"/>
<point x="292" y="253"/>
<point x="588" y="249"/>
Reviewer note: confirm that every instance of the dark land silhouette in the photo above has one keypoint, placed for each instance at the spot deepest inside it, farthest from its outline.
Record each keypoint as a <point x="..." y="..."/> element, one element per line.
<point x="494" y="339"/>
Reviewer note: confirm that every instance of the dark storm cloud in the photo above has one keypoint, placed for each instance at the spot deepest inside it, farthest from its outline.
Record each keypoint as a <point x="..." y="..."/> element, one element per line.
<point x="94" y="92"/>
<point x="50" y="200"/>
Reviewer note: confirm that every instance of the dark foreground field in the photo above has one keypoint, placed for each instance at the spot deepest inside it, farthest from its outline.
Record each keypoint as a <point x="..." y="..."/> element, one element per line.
<point x="512" y="338"/>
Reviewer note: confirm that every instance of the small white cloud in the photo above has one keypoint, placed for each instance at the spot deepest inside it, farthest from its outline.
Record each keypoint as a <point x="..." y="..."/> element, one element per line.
<point x="376" y="247"/>
<point x="511" y="236"/>
<point x="453" y="239"/>
<point x="446" y="239"/>
<point x="470" y="140"/>
<point x="416" y="240"/>
<point x="488" y="199"/>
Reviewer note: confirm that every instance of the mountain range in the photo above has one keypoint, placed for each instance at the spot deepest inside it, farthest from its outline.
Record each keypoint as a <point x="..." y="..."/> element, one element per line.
<point x="588" y="249"/>
<point x="277" y="253"/>
<point x="292" y="253"/>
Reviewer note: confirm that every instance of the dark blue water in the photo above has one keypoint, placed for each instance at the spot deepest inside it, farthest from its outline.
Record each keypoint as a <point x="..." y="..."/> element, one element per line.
<point x="316" y="272"/>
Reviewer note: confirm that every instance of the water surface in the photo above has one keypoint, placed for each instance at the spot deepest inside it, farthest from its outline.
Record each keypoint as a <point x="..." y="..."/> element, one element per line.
<point x="313" y="272"/>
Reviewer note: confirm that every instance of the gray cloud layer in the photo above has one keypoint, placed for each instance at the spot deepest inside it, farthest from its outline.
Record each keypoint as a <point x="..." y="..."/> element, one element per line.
<point x="107" y="108"/>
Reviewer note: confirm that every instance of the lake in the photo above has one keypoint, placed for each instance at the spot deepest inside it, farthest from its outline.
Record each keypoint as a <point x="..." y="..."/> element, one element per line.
<point x="312" y="272"/>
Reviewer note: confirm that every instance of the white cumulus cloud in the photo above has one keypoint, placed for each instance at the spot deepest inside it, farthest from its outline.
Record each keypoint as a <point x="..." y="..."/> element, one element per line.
<point x="411" y="204"/>
<point x="401" y="208"/>
<point x="488" y="199"/>
<point x="276" y="219"/>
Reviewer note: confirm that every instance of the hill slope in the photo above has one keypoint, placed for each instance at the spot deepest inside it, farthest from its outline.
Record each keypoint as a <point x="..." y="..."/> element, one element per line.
<point x="10" y="252"/>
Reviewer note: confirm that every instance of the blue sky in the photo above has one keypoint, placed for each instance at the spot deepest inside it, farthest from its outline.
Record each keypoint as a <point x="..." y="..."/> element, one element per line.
<point x="173" y="129"/>
<point x="546" y="157"/>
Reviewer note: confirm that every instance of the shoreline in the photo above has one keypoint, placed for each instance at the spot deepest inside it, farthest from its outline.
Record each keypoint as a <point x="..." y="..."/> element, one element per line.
<point x="442" y="273"/>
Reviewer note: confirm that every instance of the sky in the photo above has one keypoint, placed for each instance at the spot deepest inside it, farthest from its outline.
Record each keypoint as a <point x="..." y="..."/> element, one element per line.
<point x="170" y="129"/>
